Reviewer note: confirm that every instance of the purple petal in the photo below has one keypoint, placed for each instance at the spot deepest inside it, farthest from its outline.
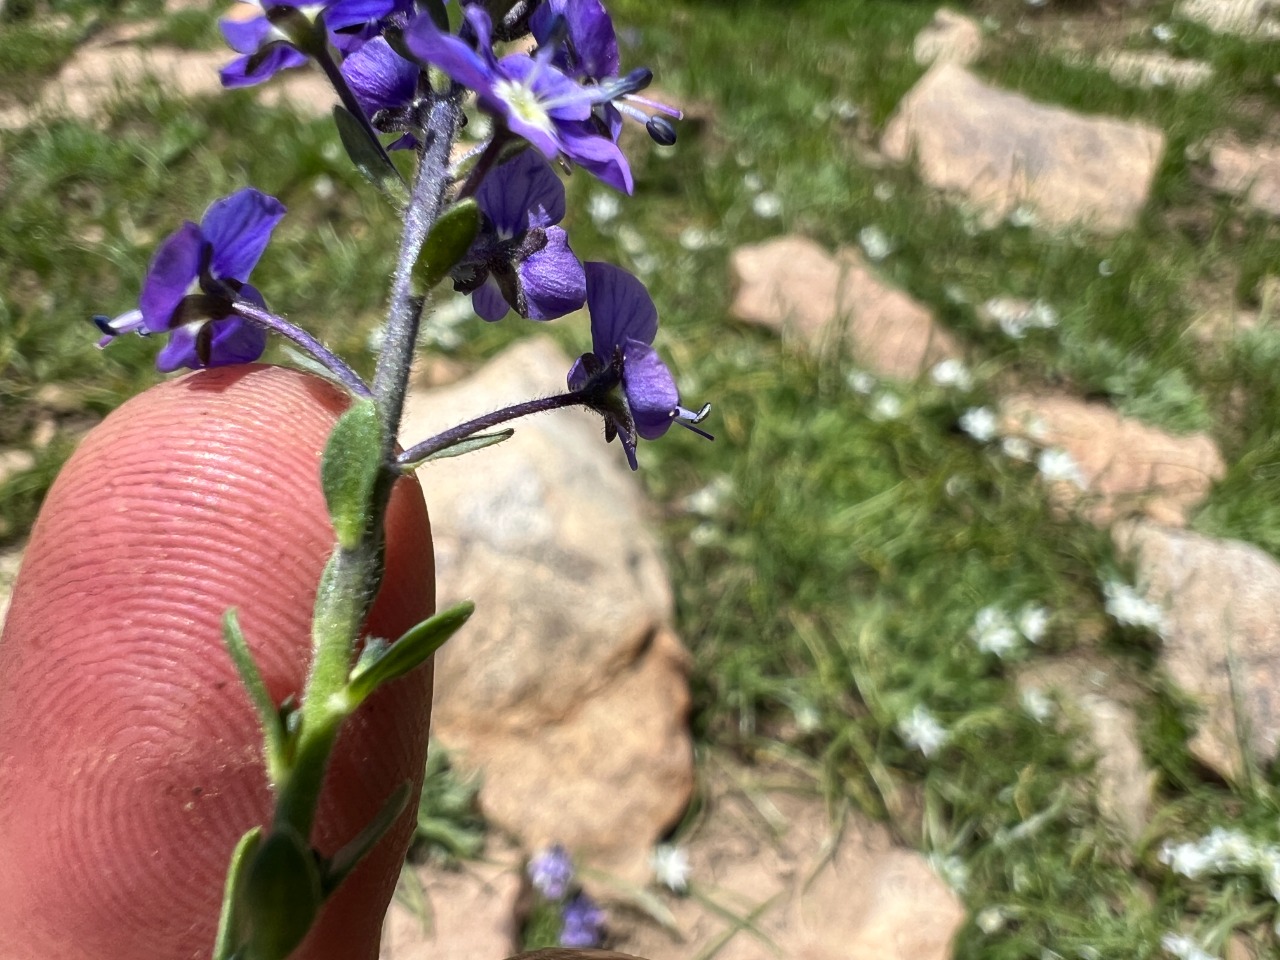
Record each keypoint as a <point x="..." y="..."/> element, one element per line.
<point x="349" y="13"/>
<point x="552" y="279"/>
<point x="524" y="192"/>
<point x="426" y="42"/>
<point x="380" y="78"/>
<point x="173" y="268"/>
<point x="650" y="389"/>
<point x="578" y="375"/>
<point x="598" y="155"/>
<point x="239" y="227"/>
<point x="621" y="309"/>
<point x="488" y="303"/>
<point x="237" y="74"/>
<point x="593" y="39"/>
<point x="234" y="341"/>
<point x="245" y="36"/>
<point x="180" y="351"/>
<point x="562" y="98"/>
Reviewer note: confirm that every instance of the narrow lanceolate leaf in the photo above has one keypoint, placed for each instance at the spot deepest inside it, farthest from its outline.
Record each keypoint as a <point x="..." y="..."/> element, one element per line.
<point x="263" y="705"/>
<point x="466" y="445"/>
<point x="369" y="156"/>
<point x="280" y="895"/>
<point x="410" y="651"/>
<point x="446" y="244"/>
<point x="228" y="944"/>
<point x="348" y="858"/>
<point x="349" y="471"/>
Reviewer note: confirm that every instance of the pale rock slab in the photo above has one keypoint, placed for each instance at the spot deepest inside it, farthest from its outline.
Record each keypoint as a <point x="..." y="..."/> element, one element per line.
<point x="793" y="286"/>
<point x="950" y="37"/>
<point x="567" y="688"/>
<point x="1250" y="18"/>
<point x="1221" y="636"/>
<point x="1127" y="466"/>
<point x="1251" y="173"/>
<point x="468" y="913"/>
<point x="811" y="894"/>
<point x="1000" y="150"/>
<point x="1155" y="69"/>
<point x="1100" y="700"/>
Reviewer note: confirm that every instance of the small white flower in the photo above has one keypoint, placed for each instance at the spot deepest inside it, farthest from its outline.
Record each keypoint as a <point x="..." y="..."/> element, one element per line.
<point x="922" y="731"/>
<point x="952" y="373"/>
<point x="631" y="240"/>
<point x="645" y="263"/>
<point x="1036" y="704"/>
<point x="1106" y="268"/>
<point x="323" y="187"/>
<point x="844" y="109"/>
<point x="1022" y="216"/>
<point x="1059" y="466"/>
<point x="1033" y="621"/>
<point x="1163" y="32"/>
<point x="710" y="500"/>
<point x="1016" y="448"/>
<point x="704" y="535"/>
<point x="753" y="181"/>
<point x="979" y="423"/>
<point x="883" y="191"/>
<point x="990" y="920"/>
<point x="671" y="867"/>
<point x="1042" y="316"/>
<point x="694" y="238"/>
<point x="875" y="243"/>
<point x="886" y="406"/>
<point x="860" y="381"/>
<point x="993" y="633"/>
<point x="808" y="719"/>
<point x="1015" y="317"/>
<point x="767" y="205"/>
<point x="1184" y="948"/>
<point x="1129" y="608"/>
<point x="603" y="208"/>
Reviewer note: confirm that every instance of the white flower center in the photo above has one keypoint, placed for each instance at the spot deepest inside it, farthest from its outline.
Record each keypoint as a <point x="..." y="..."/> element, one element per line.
<point x="524" y="104"/>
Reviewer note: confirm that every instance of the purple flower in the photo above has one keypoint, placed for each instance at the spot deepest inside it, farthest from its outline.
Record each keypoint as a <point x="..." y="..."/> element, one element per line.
<point x="583" y="923"/>
<point x="534" y="99"/>
<point x="520" y="258"/>
<point x="551" y="872"/>
<point x="194" y="279"/>
<point x="386" y="85"/>
<point x="268" y="43"/>
<point x="624" y="322"/>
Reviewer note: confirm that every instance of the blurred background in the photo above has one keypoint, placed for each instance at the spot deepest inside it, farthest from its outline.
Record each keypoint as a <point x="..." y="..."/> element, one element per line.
<point x="961" y="639"/>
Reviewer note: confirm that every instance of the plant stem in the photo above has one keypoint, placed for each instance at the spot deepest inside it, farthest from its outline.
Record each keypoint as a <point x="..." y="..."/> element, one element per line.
<point x="420" y="451"/>
<point x="330" y="360"/>
<point x="391" y="379"/>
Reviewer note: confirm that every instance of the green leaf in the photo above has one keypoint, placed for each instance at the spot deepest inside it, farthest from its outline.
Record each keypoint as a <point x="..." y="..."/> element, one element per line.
<point x="345" y="860"/>
<point x="466" y="445"/>
<point x="227" y="946"/>
<point x="438" y="13"/>
<point x="280" y="895"/>
<point x="251" y="677"/>
<point x="410" y="651"/>
<point x="446" y="244"/>
<point x="349" y="471"/>
<point x="369" y="156"/>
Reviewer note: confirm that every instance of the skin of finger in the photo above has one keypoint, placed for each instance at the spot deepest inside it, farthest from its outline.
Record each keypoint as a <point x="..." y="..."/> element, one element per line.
<point x="130" y="760"/>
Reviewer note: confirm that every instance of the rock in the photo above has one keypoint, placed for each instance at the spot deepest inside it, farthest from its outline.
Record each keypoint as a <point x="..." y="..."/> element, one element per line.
<point x="1251" y="173"/>
<point x="567" y="688"/>
<point x="774" y="858"/>
<point x="10" y="561"/>
<point x="1125" y="466"/>
<point x="1221" y="636"/>
<point x="793" y="286"/>
<point x="950" y="37"/>
<point x="467" y="913"/>
<point x="1242" y="17"/>
<point x="1155" y="69"/>
<point x="1000" y="150"/>
<point x="99" y="75"/>
<point x="1101" y="701"/>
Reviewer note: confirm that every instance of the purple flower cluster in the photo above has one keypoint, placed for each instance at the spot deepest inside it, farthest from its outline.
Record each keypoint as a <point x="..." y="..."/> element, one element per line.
<point x="581" y="918"/>
<point x="563" y="103"/>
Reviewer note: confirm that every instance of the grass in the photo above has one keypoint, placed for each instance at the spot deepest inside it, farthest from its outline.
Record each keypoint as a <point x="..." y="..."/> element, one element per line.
<point x="833" y="588"/>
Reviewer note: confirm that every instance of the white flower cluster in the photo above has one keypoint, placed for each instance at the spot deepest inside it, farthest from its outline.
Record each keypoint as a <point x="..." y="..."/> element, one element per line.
<point x="1058" y="466"/>
<point x="1130" y="609"/>
<point x="922" y="731"/>
<point x="952" y="373"/>
<point x="875" y="243"/>
<point x="670" y="866"/>
<point x="1183" y="947"/>
<point x="1225" y="851"/>
<point x="994" y="631"/>
<point x="1016" y="317"/>
<point x="980" y="423"/>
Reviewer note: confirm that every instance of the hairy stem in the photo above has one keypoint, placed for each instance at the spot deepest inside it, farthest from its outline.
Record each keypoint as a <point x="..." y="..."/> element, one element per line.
<point x="330" y="360"/>
<point x="420" y="451"/>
